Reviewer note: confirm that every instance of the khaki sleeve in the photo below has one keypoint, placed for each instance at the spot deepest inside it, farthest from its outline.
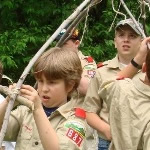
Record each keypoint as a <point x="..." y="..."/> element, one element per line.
<point x="146" y="138"/>
<point x="14" y="124"/>
<point x="108" y="90"/>
<point x="92" y="102"/>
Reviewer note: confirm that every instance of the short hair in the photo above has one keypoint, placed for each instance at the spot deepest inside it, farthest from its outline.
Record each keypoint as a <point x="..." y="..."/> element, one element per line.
<point x="148" y="65"/>
<point x="58" y="63"/>
<point x="1" y="71"/>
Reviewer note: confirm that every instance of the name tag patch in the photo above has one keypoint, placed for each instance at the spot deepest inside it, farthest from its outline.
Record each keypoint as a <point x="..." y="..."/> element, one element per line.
<point x="76" y="131"/>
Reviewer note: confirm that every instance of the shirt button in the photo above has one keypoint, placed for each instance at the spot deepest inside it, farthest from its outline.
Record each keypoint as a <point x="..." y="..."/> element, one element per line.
<point x="36" y="143"/>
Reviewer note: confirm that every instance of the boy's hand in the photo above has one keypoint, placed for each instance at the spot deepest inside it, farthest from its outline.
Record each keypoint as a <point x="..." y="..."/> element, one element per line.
<point x="11" y="87"/>
<point x="141" y="56"/>
<point x="31" y="94"/>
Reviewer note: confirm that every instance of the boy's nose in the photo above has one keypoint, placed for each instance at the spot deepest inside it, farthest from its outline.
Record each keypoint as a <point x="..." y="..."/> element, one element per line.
<point x="44" y="88"/>
<point x="126" y="39"/>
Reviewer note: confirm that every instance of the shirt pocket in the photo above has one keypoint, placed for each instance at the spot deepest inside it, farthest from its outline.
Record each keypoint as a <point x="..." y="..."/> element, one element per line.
<point x="24" y="141"/>
<point x="25" y="132"/>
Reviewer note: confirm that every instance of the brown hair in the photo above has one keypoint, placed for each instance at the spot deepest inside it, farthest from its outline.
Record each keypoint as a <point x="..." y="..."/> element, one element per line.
<point x="58" y="63"/>
<point x="1" y="71"/>
<point x="148" y="64"/>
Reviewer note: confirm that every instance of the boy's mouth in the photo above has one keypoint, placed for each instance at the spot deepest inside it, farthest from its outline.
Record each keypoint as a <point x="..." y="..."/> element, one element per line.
<point x="45" y="98"/>
<point x="126" y="46"/>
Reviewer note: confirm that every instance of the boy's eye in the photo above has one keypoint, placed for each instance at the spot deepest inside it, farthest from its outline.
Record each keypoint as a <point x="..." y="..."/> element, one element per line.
<point x="133" y="36"/>
<point x="52" y="82"/>
<point x="40" y="81"/>
<point x="121" y="34"/>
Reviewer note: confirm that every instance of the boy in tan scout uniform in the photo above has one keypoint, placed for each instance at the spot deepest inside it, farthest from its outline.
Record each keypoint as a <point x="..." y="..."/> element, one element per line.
<point x="129" y="105"/>
<point x="53" y="114"/>
<point x="88" y="64"/>
<point x="127" y="41"/>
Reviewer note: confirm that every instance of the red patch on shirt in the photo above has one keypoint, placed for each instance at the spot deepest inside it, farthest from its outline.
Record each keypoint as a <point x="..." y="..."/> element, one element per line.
<point x="89" y="59"/>
<point x="100" y="64"/>
<point x="80" y="113"/>
<point x="74" y="136"/>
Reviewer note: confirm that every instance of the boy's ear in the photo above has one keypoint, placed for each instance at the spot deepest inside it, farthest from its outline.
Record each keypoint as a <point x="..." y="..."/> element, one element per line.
<point x="77" y="43"/>
<point x="70" y="86"/>
<point x="144" y="67"/>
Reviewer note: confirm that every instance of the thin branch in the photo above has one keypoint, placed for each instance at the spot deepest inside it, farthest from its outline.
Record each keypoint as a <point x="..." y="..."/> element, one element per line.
<point x="117" y="12"/>
<point x="114" y="18"/>
<point x="143" y="15"/>
<point x="85" y="24"/>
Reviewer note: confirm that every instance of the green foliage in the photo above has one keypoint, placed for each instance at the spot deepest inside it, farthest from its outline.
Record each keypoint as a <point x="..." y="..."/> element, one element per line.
<point x="26" y="25"/>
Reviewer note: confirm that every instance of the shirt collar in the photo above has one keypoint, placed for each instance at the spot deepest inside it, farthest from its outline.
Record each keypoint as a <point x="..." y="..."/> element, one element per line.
<point x="114" y="63"/>
<point x="65" y="110"/>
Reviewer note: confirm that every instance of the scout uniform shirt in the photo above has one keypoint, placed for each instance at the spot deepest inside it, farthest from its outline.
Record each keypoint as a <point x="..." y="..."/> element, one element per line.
<point x="129" y="104"/>
<point x="93" y="102"/>
<point x="89" y="69"/>
<point x="68" y="122"/>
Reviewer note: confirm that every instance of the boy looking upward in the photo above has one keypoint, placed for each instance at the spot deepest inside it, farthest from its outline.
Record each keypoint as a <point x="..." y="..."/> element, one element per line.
<point x="127" y="42"/>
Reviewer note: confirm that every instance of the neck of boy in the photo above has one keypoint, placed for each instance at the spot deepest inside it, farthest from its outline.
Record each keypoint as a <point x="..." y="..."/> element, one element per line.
<point x="124" y="60"/>
<point x="48" y="111"/>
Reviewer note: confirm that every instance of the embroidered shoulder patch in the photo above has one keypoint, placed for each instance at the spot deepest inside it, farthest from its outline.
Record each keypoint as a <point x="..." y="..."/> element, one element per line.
<point x="100" y="64"/>
<point x="89" y="67"/>
<point x="89" y="59"/>
<point x="80" y="113"/>
<point x="76" y="131"/>
<point x="91" y="73"/>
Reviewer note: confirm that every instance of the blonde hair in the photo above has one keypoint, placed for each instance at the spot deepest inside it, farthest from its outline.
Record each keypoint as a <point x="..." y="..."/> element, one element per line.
<point x="58" y="63"/>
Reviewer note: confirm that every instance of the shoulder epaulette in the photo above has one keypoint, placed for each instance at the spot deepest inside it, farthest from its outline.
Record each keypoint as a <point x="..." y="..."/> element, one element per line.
<point x="120" y="78"/>
<point x="80" y="113"/>
<point x="89" y="59"/>
<point x="100" y="64"/>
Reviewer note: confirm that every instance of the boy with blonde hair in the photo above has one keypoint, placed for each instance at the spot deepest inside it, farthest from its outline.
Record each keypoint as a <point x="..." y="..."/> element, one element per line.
<point x="127" y="42"/>
<point x="128" y="103"/>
